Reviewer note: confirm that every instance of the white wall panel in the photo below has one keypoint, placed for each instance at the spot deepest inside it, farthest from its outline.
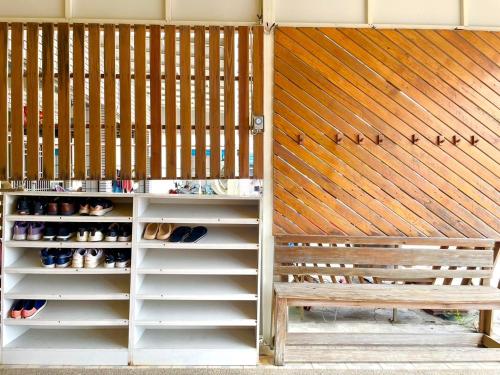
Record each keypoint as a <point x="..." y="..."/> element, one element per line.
<point x="321" y="11"/>
<point x="215" y="10"/>
<point x="119" y="9"/>
<point x="483" y="12"/>
<point x="420" y="12"/>
<point x="31" y="8"/>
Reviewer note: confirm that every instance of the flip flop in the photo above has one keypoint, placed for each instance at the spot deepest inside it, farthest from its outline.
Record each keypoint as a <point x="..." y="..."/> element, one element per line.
<point x="196" y="234"/>
<point x="179" y="234"/>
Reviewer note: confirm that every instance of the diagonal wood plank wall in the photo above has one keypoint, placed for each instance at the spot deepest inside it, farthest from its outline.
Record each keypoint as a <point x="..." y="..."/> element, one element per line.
<point x="387" y="132"/>
<point x="109" y="106"/>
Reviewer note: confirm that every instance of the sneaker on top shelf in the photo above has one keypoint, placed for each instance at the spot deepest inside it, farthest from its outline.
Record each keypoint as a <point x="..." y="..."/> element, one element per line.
<point x="100" y="207"/>
<point x="35" y="231"/>
<point x="93" y="258"/>
<point x="111" y="234"/>
<point x="53" y="206"/>
<point x="95" y="234"/>
<point x="67" y="207"/>
<point x="39" y="206"/>
<point x="82" y="234"/>
<point x="20" y="230"/>
<point x="164" y="231"/>
<point x="64" y="258"/>
<point x="23" y="206"/>
<point x="65" y="232"/>
<point x="78" y="258"/>
<point x="50" y="232"/>
<point x="122" y="258"/>
<point x="48" y="257"/>
<point x="32" y="308"/>
<point x="125" y="233"/>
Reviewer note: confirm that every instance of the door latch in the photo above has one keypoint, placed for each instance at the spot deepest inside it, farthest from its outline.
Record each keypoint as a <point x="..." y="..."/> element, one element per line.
<point x="257" y="124"/>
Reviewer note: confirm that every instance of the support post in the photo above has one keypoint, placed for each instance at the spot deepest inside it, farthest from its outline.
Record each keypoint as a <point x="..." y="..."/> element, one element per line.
<point x="280" y="324"/>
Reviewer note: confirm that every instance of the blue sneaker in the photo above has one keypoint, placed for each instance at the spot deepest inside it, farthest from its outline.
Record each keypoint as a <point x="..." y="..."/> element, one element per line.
<point x="32" y="308"/>
<point x="48" y="257"/>
<point x="64" y="258"/>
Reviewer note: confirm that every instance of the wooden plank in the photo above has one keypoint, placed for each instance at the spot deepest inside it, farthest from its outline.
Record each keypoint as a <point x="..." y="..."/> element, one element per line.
<point x="4" y="123"/>
<point x="388" y="354"/>
<point x="32" y="106"/>
<point x="140" y="100"/>
<point x="243" y="101"/>
<point x="490" y="342"/>
<point x="155" y="99"/>
<point x="200" y="102"/>
<point x="109" y="102"/>
<point x="48" y="128"/>
<point x="94" y="102"/>
<point x="384" y="256"/>
<point x="280" y="326"/>
<point x="214" y="61"/>
<point x="386" y="240"/>
<point x="17" y="105"/>
<point x="185" y="85"/>
<point x="403" y="339"/>
<point x="63" y="100"/>
<point x="125" y="104"/>
<point x="229" y="126"/>
<point x="258" y="98"/>
<point x="79" y="101"/>
<point x="170" y="102"/>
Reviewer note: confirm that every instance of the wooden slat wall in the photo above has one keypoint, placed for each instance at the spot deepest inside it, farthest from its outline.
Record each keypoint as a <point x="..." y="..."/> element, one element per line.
<point x="374" y="132"/>
<point x="73" y="147"/>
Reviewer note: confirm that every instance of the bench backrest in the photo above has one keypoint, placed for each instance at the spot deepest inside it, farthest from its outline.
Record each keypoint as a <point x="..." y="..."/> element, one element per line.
<point x="384" y="258"/>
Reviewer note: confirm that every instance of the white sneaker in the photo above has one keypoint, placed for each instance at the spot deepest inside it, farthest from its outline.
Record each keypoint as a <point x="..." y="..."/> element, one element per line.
<point x="93" y="258"/>
<point x="78" y="256"/>
<point x="82" y="235"/>
<point x="95" y="235"/>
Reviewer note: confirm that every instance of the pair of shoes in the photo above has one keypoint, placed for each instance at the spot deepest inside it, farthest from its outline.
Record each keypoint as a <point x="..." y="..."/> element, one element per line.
<point x="157" y="231"/>
<point x="56" y="258"/>
<point x="31" y="206"/>
<point x="95" y="233"/>
<point x="26" y="309"/>
<point x="187" y="234"/>
<point x="95" y="206"/>
<point x="117" y="259"/>
<point x="32" y="231"/>
<point x="87" y="258"/>
<point x="61" y="232"/>
<point x="61" y="206"/>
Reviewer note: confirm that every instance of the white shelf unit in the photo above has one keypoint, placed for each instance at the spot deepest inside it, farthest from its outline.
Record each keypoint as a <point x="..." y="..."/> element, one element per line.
<point x="196" y="303"/>
<point x="86" y="319"/>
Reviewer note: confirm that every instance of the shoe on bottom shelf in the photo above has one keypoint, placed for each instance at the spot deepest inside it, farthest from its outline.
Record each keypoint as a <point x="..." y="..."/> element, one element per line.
<point x="17" y="309"/>
<point x="111" y="234"/>
<point x="64" y="257"/>
<point x="93" y="258"/>
<point x="32" y="308"/>
<point x="65" y="232"/>
<point x="122" y="259"/>
<point x="82" y="234"/>
<point x="50" y="233"/>
<point x="48" y="257"/>
<point x="78" y="258"/>
<point x="109" y="260"/>
<point x="125" y="233"/>
<point x="95" y="234"/>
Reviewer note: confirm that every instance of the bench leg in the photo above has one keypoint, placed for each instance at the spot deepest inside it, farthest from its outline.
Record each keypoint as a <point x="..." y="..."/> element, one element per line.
<point x="486" y="322"/>
<point x="280" y="324"/>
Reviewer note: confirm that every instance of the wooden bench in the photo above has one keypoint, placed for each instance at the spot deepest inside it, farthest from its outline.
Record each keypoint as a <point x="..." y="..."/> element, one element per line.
<point x="384" y="272"/>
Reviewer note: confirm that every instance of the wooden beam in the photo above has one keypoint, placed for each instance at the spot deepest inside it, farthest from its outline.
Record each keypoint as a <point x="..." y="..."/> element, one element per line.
<point x="4" y="122"/>
<point x="33" y="111"/>
<point x="125" y="104"/>
<point x="63" y="101"/>
<point x="140" y="101"/>
<point x="214" y="68"/>
<point x="79" y="101"/>
<point x="200" y="102"/>
<point x="95" y="142"/>
<point x="17" y="105"/>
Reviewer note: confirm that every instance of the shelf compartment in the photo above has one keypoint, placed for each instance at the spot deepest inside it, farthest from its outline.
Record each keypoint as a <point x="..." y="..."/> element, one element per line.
<point x="217" y="237"/>
<point x="197" y="313"/>
<point x="84" y="347"/>
<point x="71" y="287"/>
<point x="196" y="347"/>
<point x="184" y="288"/>
<point x="78" y="313"/>
<point x="30" y="263"/>
<point x="70" y="244"/>
<point x="199" y="262"/>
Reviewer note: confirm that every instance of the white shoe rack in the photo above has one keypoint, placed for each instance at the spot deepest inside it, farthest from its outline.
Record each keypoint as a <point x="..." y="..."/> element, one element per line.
<point x="177" y="304"/>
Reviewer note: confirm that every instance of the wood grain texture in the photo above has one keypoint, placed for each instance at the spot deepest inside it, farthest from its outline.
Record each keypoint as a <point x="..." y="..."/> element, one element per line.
<point x="94" y="102"/>
<point x="32" y="105"/>
<point x="125" y="103"/>
<point x="155" y="99"/>
<point x="229" y="119"/>
<point x="140" y="101"/>
<point x="170" y="102"/>
<point x="109" y="102"/>
<point x="200" y="102"/>
<point x="185" y="86"/>
<point x="258" y="98"/>
<point x="215" y="110"/>
<point x="243" y="101"/>
<point x="63" y="102"/>
<point x="48" y="127"/>
<point x="4" y="122"/>
<point x="17" y="103"/>
<point x="79" y="102"/>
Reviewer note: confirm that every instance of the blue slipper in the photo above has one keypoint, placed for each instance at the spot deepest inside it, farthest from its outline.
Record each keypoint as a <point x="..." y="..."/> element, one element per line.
<point x="196" y="234"/>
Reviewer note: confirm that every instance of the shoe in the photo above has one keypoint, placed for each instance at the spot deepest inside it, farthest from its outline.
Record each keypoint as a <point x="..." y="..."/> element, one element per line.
<point x="50" y="232"/>
<point x="122" y="259"/>
<point x="39" y="207"/>
<point x="109" y="260"/>
<point x="19" y="231"/>
<point x="48" y="258"/>
<point x="95" y="234"/>
<point x="125" y="233"/>
<point x="35" y="231"/>
<point x="111" y="234"/>
<point x="78" y="258"/>
<point x="64" y="258"/>
<point x="53" y="207"/>
<point x="23" y="206"/>
<point x="179" y="234"/>
<point x="32" y="308"/>
<point x="164" y="231"/>
<point x="93" y="258"/>
<point x="65" y="232"/>
<point x="82" y="234"/>
<point x="84" y="207"/>
<point x="151" y="231"/>
<point x="196" y="234"/>
<point x="17" y="308"/>
<point x="67" y="207"/>
<point x="100" y="207"/>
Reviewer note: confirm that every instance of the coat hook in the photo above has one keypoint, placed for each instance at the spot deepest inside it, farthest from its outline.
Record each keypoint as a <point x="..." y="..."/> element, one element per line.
<point x="380" y="138"/>
<point x="269" y="28"/>
<point x="414" y="138"/>
<point x="360" y="138"/>
<point x="440" y="140"/>
<point x="338" y="138"/>
<point x="455" y="139"/>
<point x="300" y="139"/>
<point x="260" y="18"/>
<point x="474" y="140"/>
